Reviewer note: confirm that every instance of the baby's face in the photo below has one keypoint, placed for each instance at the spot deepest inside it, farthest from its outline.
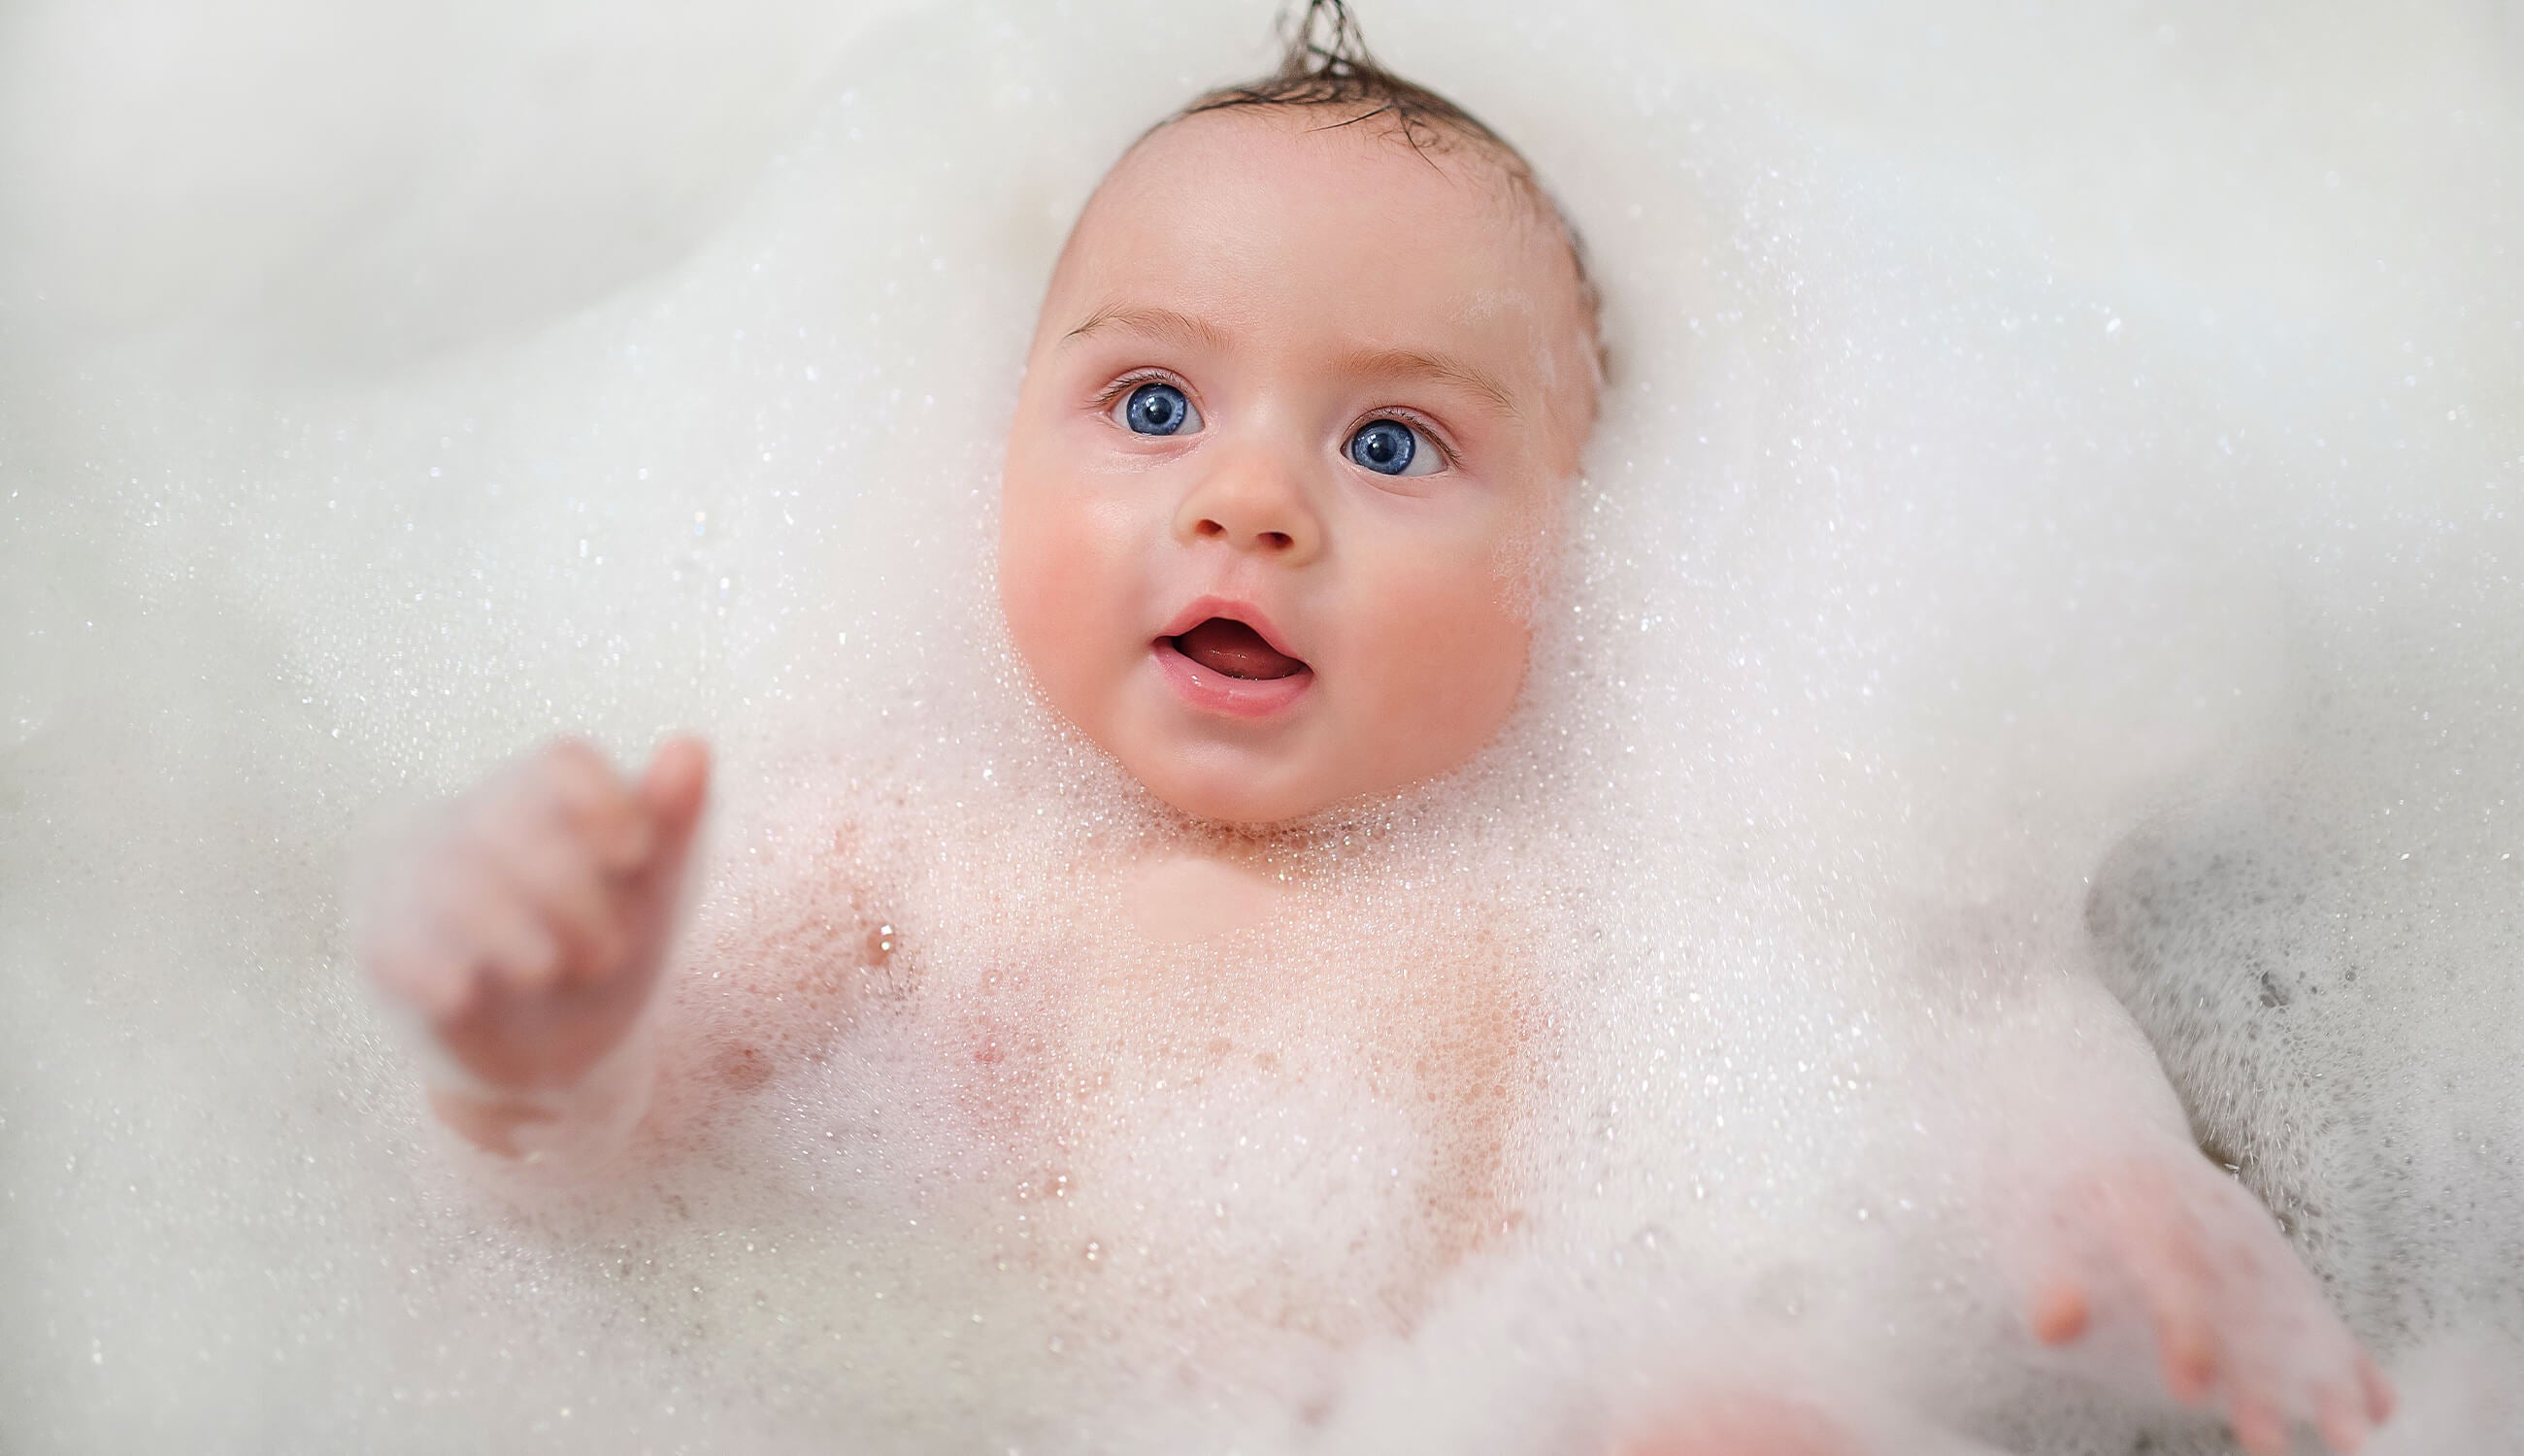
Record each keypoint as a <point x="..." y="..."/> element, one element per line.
<point x="1283" y="471"/>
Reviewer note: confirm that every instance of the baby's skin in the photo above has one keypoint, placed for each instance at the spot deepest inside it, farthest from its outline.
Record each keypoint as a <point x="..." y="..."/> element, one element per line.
<point x="528" y="924"/>
<point x="1284" y="475"/>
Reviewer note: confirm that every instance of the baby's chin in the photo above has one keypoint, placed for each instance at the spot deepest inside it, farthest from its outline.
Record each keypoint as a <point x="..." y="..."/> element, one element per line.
<point x="1219" y="795"/>
<point x="1246" y="793"/>
<point x="1253" y="800"/>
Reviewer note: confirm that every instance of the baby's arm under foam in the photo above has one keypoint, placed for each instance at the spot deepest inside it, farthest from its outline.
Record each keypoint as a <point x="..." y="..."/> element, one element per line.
<point x="2069" y="1033"/>
<point x="2150" y="1267"/>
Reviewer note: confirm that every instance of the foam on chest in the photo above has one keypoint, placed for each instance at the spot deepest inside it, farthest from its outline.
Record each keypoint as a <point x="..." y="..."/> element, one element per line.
<point x="1197" y="1076"/>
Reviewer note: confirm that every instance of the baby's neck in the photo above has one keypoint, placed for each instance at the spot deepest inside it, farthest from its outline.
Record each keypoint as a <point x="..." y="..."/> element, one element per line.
<point x="1300" y="849"/>
<point x="1177" y="898"/>
<point x="1204" y="880"/>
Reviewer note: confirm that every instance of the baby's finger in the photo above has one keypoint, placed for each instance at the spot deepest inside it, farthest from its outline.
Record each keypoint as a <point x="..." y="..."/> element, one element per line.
<point x="2376" y="1389"/>
<point x="2061" y="1312"/>
<point x="590" y="796"/>
<point x="418" y="971"/>
<point x="458" y="976"/>
<point x="2189" y="1352"/>
<point x="676" y="785"/>
<point x="525" y="956"/>
<point x="2258" y="1427"/>
<point x="420" y="952"/>
<point x="2176" y="1278"/>
<point x="559" y="882"/>
<point x="2343" y="1428"/>
<point x="494" y="928"/>
<point x="2159" y="1246"/>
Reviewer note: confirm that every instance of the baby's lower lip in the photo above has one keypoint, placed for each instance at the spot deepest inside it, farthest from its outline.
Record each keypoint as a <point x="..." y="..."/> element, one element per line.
<point x="1211" y="691"/>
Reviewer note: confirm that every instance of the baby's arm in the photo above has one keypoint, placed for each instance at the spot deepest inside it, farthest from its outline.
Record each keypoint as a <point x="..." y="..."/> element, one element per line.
<point x="524" y="930"/>
<point x="2125" y="1235"/>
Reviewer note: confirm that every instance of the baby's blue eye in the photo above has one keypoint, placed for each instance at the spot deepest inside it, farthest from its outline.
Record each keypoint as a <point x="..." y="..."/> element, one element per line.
<point x="1156" y="409"/>
<point x="1388" y="447"/>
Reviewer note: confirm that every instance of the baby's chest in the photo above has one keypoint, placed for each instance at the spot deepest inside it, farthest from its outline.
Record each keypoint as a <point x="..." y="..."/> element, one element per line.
<point x="1188" y="1136"/>
<point x="1190" y="998"/>
<point x="1153" y="1099"/>
<point x="1083" y="1036"/>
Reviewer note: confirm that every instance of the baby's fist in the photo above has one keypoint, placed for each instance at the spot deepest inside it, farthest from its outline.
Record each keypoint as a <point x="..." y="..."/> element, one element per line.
<point x="526" y="925"/>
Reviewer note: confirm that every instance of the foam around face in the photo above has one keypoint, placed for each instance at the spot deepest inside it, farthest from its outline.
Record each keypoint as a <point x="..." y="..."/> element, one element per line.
<point x="2055" y="500"/>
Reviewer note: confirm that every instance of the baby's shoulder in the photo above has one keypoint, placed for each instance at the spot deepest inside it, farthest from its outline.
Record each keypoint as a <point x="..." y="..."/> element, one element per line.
<point x="798" y="901"/>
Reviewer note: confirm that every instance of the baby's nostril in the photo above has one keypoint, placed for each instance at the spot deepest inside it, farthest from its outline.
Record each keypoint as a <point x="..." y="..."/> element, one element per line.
<point x="1277" y="540"/>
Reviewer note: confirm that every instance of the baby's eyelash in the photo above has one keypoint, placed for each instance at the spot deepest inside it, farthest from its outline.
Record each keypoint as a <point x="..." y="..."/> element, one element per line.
<point x="1133" y="380"/>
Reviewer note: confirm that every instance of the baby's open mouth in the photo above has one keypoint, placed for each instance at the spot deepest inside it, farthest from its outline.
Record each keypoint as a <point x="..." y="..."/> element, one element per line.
<point x="1226" y="645"/>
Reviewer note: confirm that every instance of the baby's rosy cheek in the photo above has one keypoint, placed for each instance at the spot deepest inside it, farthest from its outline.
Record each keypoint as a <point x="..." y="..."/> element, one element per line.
<point x="1047" y="575"/>
<point x="1463" y="632"/>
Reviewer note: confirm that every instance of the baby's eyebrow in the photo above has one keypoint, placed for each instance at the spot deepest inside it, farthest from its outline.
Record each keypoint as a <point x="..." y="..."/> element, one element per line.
<point x="1413" y="363"/>
<point x="1163" y="324"/>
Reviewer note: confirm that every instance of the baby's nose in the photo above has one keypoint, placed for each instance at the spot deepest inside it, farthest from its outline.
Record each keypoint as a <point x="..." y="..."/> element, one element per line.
<point x="1251" y="508"/>
<point x="1274" y="541"/>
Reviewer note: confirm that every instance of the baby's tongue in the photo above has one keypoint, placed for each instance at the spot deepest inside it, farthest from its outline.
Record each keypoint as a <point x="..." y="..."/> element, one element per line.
<point x="1235" y="649"/>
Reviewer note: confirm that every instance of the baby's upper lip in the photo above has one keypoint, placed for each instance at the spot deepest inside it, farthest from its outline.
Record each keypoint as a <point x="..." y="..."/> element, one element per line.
<point x="1202" y="609"/>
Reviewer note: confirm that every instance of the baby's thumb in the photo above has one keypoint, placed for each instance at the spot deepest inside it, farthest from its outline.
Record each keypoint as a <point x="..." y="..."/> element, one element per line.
<point x="675" y="786"/>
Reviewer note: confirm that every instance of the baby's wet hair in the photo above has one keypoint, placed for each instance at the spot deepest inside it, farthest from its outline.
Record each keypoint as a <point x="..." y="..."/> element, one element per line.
<point x="1325" y="63"/>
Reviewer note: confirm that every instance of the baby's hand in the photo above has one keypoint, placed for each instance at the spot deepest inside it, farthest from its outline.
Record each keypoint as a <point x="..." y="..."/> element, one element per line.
<point x="2165" y="1244"/>
<point x="526" y="926"/>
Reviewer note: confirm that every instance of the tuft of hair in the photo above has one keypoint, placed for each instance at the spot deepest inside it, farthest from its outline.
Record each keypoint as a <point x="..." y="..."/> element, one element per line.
<point x="1324" y="62"/>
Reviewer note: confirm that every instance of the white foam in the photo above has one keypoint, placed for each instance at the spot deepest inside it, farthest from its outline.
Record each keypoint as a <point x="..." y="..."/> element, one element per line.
<point x="2057" y="471"/>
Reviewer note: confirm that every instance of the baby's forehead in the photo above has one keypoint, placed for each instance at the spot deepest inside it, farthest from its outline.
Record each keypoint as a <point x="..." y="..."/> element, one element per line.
<point x="1414" y="163"/>
<point x="1421" y="191"/>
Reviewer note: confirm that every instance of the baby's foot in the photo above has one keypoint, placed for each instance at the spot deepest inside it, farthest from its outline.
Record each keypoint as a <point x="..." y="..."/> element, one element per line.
<point x="2165" y="1246"/>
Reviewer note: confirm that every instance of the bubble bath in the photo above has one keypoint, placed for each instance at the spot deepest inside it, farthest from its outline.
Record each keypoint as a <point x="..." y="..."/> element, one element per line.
<point x="2056" y="506"/>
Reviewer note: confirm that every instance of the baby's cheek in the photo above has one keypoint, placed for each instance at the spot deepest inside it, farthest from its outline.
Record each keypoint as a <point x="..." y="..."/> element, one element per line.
<point x="1057" y="590"/>
<point x="1451" y="650"/>
<point x="1521" y="565"/>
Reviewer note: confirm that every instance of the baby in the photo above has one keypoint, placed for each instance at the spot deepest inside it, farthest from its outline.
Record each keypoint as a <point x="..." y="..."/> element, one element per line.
<point x="1310" y="382"/>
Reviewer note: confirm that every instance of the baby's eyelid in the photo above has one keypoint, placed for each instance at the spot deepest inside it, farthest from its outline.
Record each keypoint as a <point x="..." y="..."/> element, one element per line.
<point x="1419" y="425"/>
